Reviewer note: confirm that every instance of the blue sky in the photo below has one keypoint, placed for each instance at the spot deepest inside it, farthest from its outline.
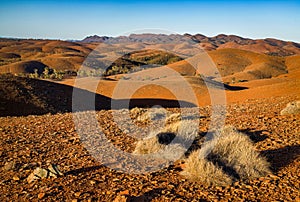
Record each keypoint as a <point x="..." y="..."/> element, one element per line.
<point x="77" y="19"/>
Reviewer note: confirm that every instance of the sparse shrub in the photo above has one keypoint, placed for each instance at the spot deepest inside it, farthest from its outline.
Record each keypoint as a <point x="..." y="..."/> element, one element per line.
<point x="52" y="76"/>
<point x="46" y="74"/>
<point x="170" y="143"/>
<point x="172" y="152"/>
<point x="36" y="74"/>
<point x="173" y="118"/>
<point x="291" y="108"/>
<point x="148" y="145"/>
<point x="81" y="73"/>
<point x="139" y="114"/>
<point x="203" y="171"/>
<point x="186" y="133"/>
<point x="232" y="153"/>
<point x="160" y="146"/>
<point x="57" y="75"/>
<point x="144" y="115"/>
<point x="172" y="128"/>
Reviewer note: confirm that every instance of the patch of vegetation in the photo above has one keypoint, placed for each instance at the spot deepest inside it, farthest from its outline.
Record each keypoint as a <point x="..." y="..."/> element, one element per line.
<point x="49" y="73"/>
<point x="291" y="108"/>
<point x="140" y="60"/>
<point x="228" y="157"/>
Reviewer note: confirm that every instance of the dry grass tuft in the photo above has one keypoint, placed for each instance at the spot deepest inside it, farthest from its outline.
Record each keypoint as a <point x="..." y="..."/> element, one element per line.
<point x="173" y="118"/>
<point x="171" y="143"/>
<point x="148" y="145"/>
<point x="231" y="152"/>
<point x="144" y="115"/>
<point x="291" y="108"/>
<point x="172" y="128"/>
<point x="136" y="113"/>
<point x="172" y="152"/>
<point x="203" y="171"/>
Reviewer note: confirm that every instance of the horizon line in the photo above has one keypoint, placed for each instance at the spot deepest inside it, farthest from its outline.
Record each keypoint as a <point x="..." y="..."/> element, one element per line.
<point x="115" y="36"/>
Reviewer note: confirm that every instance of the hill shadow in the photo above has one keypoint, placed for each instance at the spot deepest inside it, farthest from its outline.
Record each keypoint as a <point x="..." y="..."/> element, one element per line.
<point x="20" y="96"/>
<point x="216" y="84"/>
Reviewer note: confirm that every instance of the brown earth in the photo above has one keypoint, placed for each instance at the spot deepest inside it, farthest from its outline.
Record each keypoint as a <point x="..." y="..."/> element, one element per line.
<point x="37" y="127"/>
<point x="33" y="141"/>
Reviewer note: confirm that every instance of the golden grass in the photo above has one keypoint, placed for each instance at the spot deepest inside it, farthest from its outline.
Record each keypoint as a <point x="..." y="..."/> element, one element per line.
<point x="171" y="143"/>
<point x="139" y="114"/>
<point x="231" y="152"/>
<point x="203" y="171"/>
<point x="291" y="108"/>
<point x="173" y="118"/>
<point x="148" y="145"/>
<point x="144" y="115"/>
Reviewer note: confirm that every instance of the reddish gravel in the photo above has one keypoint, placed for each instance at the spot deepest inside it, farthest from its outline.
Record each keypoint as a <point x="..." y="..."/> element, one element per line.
<point x="36" y="141"/>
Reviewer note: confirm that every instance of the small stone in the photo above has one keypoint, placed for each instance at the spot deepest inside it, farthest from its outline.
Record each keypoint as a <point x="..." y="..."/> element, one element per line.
<point x="92" y="182"/>
<point x="16" y="178"/>
<point x="11" y="165"/>
<point x="40" y="173"/>
<point x="74" y="200"/>
<point x="31" y="178"/>
<point x="121" y="198"/>
<point x="41" y="195"/>
<point x="77" y="194"/>
<point x="125" y="192"/>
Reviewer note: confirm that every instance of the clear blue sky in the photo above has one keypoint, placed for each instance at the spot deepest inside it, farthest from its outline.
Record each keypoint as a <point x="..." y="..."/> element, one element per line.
<point x="77" y="19"/>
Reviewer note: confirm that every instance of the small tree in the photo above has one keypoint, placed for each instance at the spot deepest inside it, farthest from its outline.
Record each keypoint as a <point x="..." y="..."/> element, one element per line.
<point x="46" y="73"/>
<point x="36" y="74"/>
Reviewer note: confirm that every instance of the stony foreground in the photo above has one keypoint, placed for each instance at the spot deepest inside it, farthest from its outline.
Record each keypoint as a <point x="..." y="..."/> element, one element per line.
<point x="39" y="141"/>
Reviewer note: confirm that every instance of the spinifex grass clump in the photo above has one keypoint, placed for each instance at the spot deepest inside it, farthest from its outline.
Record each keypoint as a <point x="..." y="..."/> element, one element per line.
<point x="291" y="108"/>
<point x="146" y="115"/>
<point x="228" y="157"/>
<point x="171" y="142"/>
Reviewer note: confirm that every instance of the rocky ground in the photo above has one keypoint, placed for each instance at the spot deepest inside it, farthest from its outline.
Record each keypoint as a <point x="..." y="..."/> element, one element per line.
<point x="28" y="142"/>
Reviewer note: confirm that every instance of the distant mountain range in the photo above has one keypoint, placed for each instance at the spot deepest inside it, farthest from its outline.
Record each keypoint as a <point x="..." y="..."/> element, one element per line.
<point x="268" y="46"/>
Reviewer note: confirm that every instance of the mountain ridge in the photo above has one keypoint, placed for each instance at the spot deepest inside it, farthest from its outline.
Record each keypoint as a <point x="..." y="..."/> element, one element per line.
<point x="270" y="46"/>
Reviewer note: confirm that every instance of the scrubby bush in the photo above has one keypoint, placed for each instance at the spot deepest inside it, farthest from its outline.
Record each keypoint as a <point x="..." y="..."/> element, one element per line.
<point x="46" y="74"/>
<point x="139" y="114"/>
<point x="148" y="145"/>
<point x="173" y="118"/>
<point x="144" y="115"/>
<point x="170" y="143"/>
<point x="203" y="171"/>
<point x="229" y="155"/>
<point x="291" y="108"/>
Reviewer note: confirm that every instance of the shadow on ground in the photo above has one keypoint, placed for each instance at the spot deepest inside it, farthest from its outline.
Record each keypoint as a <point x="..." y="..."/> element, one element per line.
<point x="255" y="135"/>
<point x="21" y="96"/>
<point x="280" y="158"/>
<point x="157" y="192"/>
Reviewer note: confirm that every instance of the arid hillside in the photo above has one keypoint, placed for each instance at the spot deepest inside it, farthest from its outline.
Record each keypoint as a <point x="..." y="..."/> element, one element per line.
<point x="26" y="55"/>
<point x="227" y="130"/>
